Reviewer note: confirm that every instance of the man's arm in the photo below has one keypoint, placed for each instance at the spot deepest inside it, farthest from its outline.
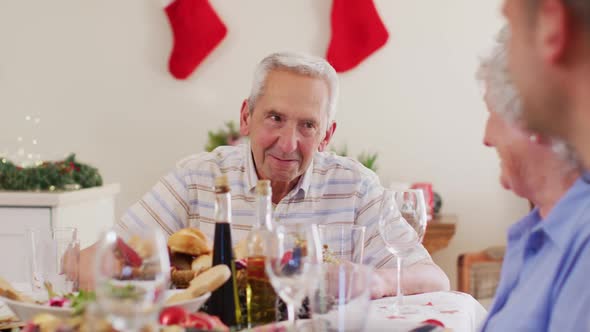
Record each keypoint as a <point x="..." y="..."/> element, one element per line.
<point x="86" y="267"/>
<point x="421" y="277"/>
<point x="165" y="206"/>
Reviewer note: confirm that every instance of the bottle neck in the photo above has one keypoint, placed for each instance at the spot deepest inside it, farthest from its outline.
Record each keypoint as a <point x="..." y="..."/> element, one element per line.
<point x="222" y="208"/>
<point x="263" y="212"/>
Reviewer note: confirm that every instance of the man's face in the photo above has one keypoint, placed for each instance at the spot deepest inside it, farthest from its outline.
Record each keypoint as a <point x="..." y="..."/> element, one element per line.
<point x="514" y="150"/>
<point x="532" y="53"/>
<point x="288" y="125"/>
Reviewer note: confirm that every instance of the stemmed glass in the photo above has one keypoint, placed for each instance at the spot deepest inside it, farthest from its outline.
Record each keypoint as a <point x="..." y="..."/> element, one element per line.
<point x="132" y="274"/>
<point x="293" y="255"/>
<point x="402" y="224"/>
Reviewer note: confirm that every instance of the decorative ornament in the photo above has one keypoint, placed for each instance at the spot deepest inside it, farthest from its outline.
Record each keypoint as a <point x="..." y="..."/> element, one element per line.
<point x="67" y="174"/>
<point x="357" y="32"/>
<point x="197" y="31"/>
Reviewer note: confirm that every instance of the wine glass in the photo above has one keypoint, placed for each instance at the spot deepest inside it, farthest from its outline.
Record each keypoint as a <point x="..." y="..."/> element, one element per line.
<point x="402" y="224"/>
<point x="292" y="260"/>
<point x="132" y="274"/>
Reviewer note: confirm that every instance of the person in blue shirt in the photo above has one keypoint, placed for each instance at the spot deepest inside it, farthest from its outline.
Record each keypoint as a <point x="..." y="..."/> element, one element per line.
<point x="544" y="280"/>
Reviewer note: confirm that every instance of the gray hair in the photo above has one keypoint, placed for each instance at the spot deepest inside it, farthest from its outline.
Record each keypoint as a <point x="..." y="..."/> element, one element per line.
<point x="493" y="72"/>
<point x="298" y="63"/>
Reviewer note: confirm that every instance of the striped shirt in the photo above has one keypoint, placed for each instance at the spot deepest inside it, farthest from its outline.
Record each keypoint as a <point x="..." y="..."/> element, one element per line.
<point x="333" y="189"/>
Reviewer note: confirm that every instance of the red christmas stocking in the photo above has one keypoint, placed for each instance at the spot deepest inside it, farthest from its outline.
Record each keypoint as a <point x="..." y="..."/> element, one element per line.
<point x="197" y="31"/>
<point x="357" y="32"/>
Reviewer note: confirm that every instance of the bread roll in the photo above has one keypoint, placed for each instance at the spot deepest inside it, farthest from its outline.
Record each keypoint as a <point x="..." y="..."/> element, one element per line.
<point x="7" y="291"/>
<point x="207" y="281"/>
<point x="189" y="241"/>
<point x="182" y="278"/>
<point x="202" y="263"/>
<point x="181" y="261"/>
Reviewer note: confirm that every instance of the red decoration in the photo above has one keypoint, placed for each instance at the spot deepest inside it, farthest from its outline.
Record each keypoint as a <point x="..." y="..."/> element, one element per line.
<point x="428" y="196"/>
<point x="173" y="316"/>
<point x="130" y="256"/>
<point x="434" y="322"/>
<point x="197" y="31"/>
<point x="357" y="32"/>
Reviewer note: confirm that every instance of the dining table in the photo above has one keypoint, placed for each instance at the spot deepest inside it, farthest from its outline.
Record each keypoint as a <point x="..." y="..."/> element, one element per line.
<point x="457" y="311"/>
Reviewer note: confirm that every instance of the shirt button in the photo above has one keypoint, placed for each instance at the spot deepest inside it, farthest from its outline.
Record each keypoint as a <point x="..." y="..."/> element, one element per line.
<point x="535" y="242"/>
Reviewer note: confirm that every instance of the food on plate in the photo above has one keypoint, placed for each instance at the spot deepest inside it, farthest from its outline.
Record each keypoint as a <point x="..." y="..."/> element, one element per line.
<point x="7" y="291"/>
<point x="205" y="282"/>
<point x="190" y="241"/>
<point x="190" y="252"/>
<point x="202" y="263"/>
<point x="143" y="248"/>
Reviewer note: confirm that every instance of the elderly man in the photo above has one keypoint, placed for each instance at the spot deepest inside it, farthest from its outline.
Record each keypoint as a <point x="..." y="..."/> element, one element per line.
<point x="549" y="58"/>
<point x="547" y="262"/>
<point x="289" y="119"/>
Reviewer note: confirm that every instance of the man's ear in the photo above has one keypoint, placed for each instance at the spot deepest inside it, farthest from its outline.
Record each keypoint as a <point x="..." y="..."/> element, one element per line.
<point x="329" y="133"/>
<point x="245" y="118"/>
<point x="553" y="32"/>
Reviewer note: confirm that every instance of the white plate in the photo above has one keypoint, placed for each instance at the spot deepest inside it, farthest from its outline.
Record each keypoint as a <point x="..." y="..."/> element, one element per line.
<point x="26" y="311"/>
<point x="191" y="305"/>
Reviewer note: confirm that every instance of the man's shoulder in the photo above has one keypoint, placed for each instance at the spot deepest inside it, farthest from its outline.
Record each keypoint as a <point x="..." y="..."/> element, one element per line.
<point x="330" y="165"/>
<point x="220" y="158"/>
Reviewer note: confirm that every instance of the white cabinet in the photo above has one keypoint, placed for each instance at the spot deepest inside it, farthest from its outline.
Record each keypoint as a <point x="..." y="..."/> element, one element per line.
<point x="90" y="210"/>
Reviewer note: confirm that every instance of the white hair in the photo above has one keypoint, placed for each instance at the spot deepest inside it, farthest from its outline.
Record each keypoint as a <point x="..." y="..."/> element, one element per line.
<point x="493" y="72"/>
<point x="298" y="63"/>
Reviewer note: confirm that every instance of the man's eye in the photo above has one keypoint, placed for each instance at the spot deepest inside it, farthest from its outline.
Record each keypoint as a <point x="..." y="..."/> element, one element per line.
<point x="309" y="125"/>
<point x="276" y="118"/>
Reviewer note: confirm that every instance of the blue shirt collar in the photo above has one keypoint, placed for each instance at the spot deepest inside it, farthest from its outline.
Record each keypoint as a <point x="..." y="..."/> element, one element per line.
<point x="561" y="222"/>
<point x="522" y="227"/>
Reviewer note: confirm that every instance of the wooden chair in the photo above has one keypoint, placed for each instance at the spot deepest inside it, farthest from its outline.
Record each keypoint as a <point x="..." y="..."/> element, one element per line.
<point x="479" y="272"/>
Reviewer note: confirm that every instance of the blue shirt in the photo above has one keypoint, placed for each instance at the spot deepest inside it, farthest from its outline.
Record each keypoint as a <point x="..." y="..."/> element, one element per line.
<point x="545" y="279"/>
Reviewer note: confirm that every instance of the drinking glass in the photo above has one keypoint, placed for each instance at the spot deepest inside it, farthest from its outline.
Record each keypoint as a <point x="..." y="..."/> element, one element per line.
<point x="293" y="255"/>
<point x="132" y="275"/>
<point x="342" y="242"/>
<point x="341" y="302"/>
<point x="51" y="254"/>
<point x="402" y="224"/>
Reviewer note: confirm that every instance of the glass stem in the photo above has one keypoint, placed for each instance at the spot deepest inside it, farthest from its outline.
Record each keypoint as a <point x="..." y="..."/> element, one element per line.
<point x="291" y="315"/>
<point x="400" y="294"/>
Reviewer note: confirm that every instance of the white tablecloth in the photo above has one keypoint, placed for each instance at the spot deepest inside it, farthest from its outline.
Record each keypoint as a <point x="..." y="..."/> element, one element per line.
<point x="457" y="311"/>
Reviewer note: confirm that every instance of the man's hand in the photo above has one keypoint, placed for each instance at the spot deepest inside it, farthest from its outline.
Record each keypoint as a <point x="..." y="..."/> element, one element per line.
<point x="86" y="268"/>
<point x="421" y="277"/>
<point x="70" y="261"/>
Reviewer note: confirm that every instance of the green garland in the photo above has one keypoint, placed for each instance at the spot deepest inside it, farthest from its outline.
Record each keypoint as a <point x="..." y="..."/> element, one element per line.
<point x="222" y="136"/>
<point x="67" y="174"/>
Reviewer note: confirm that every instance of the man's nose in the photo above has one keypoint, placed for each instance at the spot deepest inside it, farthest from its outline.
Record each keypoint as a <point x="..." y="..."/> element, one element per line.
<point x="288" y="139"/>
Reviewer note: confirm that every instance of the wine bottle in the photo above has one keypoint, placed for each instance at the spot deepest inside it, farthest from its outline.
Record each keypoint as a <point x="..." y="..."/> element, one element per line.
<point x="223" y="302"/>
<point x="261" y="298"/>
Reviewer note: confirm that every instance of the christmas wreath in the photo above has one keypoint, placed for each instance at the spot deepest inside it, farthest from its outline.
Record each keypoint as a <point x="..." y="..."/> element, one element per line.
<point x="67" y="174"/>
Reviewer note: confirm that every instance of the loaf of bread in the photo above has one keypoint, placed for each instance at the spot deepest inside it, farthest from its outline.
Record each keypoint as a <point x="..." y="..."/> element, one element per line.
<point x="207" y="281"/>
<point x="190" y="241"/>
<point x="202" y="263"/>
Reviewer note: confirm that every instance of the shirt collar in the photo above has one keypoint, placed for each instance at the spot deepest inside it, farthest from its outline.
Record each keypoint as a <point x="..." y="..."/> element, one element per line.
<point x="303" y="184"/>
<point x="522" y="227"/>
<point x="562" y="222"/>
<point x="251" y="175"/>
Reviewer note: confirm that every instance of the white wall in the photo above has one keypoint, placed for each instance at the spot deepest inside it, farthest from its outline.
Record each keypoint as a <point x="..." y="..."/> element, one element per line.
<point x="96" y="73"/>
